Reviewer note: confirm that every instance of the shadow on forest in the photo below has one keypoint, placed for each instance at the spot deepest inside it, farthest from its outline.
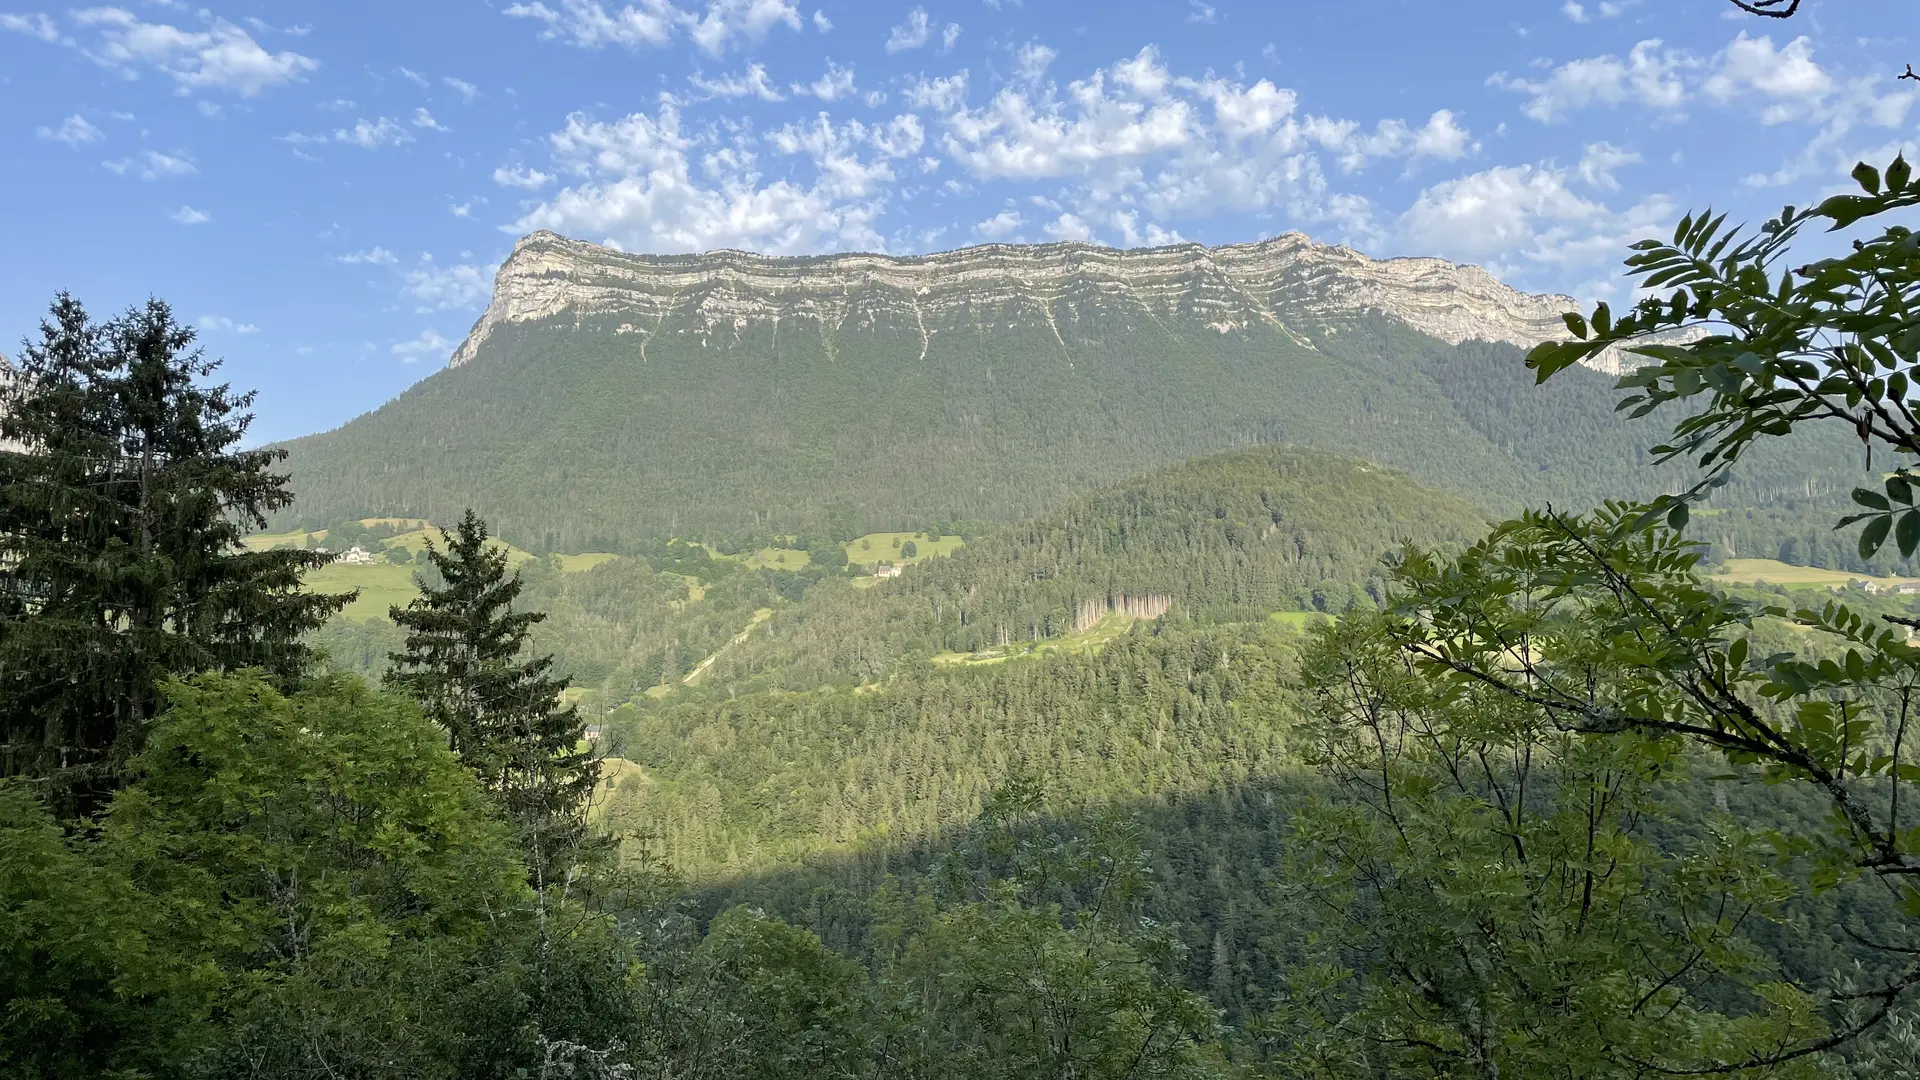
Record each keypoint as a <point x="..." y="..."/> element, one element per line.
<point x="1218" y="862"/>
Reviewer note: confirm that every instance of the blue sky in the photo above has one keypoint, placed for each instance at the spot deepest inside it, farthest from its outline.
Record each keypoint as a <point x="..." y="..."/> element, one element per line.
<point x="327" y="189"/>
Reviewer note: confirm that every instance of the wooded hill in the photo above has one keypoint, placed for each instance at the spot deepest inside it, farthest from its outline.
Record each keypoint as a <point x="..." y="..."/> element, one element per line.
<point x="1232" y="537"/>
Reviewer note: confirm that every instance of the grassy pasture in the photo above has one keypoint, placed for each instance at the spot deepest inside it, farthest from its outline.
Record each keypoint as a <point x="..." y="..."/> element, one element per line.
<point x="586" y="560"/>
<point x="1752" y="571"/>
<point x="1092" y="639"/>
<point x="885" y="547"/>
<point x="269" y="541"/>
<point x="777" y="558"/>
<point x="1299" y="620"/>
<point x="381" y="586"/>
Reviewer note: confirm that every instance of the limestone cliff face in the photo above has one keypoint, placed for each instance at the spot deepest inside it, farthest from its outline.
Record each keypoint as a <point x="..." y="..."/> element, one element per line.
<point x="1288" y="282"/>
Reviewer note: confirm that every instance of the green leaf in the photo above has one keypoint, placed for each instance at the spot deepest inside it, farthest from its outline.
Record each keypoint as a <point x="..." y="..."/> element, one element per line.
<point x="1846" y="209"/>
<point x="1870" y="499"/>
<point x="1898" y="173"/>
<point x="1677" y="517"/>
<point x="1908" y="534"/>
<point x="1874" y="535"/>
<point x="1867" y="177"/>
<point x="1576" y="325"/>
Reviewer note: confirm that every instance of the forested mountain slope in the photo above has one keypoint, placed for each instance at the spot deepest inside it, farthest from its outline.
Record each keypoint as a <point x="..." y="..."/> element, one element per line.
<point x="606" y="398"/>
<point x="1231" y="537"/>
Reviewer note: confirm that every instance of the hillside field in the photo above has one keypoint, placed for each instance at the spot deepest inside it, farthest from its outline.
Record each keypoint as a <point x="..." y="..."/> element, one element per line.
<point x="1772" y="571"/>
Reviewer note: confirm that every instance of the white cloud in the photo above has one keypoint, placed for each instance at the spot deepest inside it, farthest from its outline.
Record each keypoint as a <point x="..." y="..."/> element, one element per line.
<point x="519" y="176"/>
<point x="371" y="135"/>
<point x="1127" y="224"/>
<point x="910" y="34"/>
<point x="747" y="20"/>
<point x="944" y="94"/>
<point x="1650" y="75"/>
<point x="1031" y="60"/>
<point x="187" y="215"/>
<point x="1787" y="79"/>
<point x="75" y="131"/>
<point x="152" y="166"/>
<point x="821" y="22"/>
<point x="1023" y="135"/>
<point x="591" y="24"/>
<point x="157" y="165"/>
<point x="415" y="78"/>
<point x="1199" y="11"/>
<point x="449" y="288"/>
<point x="1139" y="147"/>
<point x="424" y="119"/>
<point x="1255" y="110"/>
<point x="223" y="324"/>
<point x="1574" y="11"/>
<point x="429" y="343"/>
<point x="1068" y="227"/>
<point x="374" y="256"/>
<point x="221" y="56"/>
<point x="752" y="82"/>
<point x="948" y="36"/>
<point x="36" y="24"/>
<point x="1513" y="216"/>
<point x="1000" y="226"/>
<point x="634" y="185"/>
<point x="835" y="84"/>
<point x="465" y="209"/>
<point x="1599" y="161"/>
<point x="465" y="89"/>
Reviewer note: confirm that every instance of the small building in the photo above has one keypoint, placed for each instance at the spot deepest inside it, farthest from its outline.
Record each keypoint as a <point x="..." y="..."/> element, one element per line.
<point x="1907" y="588"/>
<point x="886" y="570"/>
<point x="357" y="556"/>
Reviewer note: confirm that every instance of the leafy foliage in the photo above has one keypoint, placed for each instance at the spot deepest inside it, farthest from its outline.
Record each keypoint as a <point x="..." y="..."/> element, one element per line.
<point x="292" y="886"/>
<point x="1492" y="903"/>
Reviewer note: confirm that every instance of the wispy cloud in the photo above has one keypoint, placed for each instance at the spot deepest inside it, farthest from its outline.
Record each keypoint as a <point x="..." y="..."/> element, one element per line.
<point x="74" y="131"/>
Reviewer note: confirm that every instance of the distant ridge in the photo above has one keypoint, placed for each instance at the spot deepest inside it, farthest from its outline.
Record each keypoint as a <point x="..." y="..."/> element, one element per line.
<point x="1287" y="278"/>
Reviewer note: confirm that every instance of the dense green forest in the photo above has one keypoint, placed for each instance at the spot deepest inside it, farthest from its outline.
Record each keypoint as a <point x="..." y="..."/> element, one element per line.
<point x="1233" y="537"/>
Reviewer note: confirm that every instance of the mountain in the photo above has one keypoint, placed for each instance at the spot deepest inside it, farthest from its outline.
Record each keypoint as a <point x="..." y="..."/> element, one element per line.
<point x="604" y="397"/>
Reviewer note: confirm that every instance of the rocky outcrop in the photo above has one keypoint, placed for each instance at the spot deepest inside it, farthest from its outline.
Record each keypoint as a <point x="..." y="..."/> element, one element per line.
<point x="1287" y="282"/>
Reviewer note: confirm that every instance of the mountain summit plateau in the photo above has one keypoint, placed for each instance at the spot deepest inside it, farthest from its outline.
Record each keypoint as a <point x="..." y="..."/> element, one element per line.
<point x="1282" y="281"/>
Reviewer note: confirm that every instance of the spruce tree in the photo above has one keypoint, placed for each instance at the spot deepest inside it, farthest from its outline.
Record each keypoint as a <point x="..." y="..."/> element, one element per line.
<point x="123" y="499"/>
<point x="463" y="661"/>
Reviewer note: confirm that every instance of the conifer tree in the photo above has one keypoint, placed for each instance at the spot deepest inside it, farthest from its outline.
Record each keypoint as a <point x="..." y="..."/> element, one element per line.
<point x="463" y="662"/>
<point x="123" y="499"/>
